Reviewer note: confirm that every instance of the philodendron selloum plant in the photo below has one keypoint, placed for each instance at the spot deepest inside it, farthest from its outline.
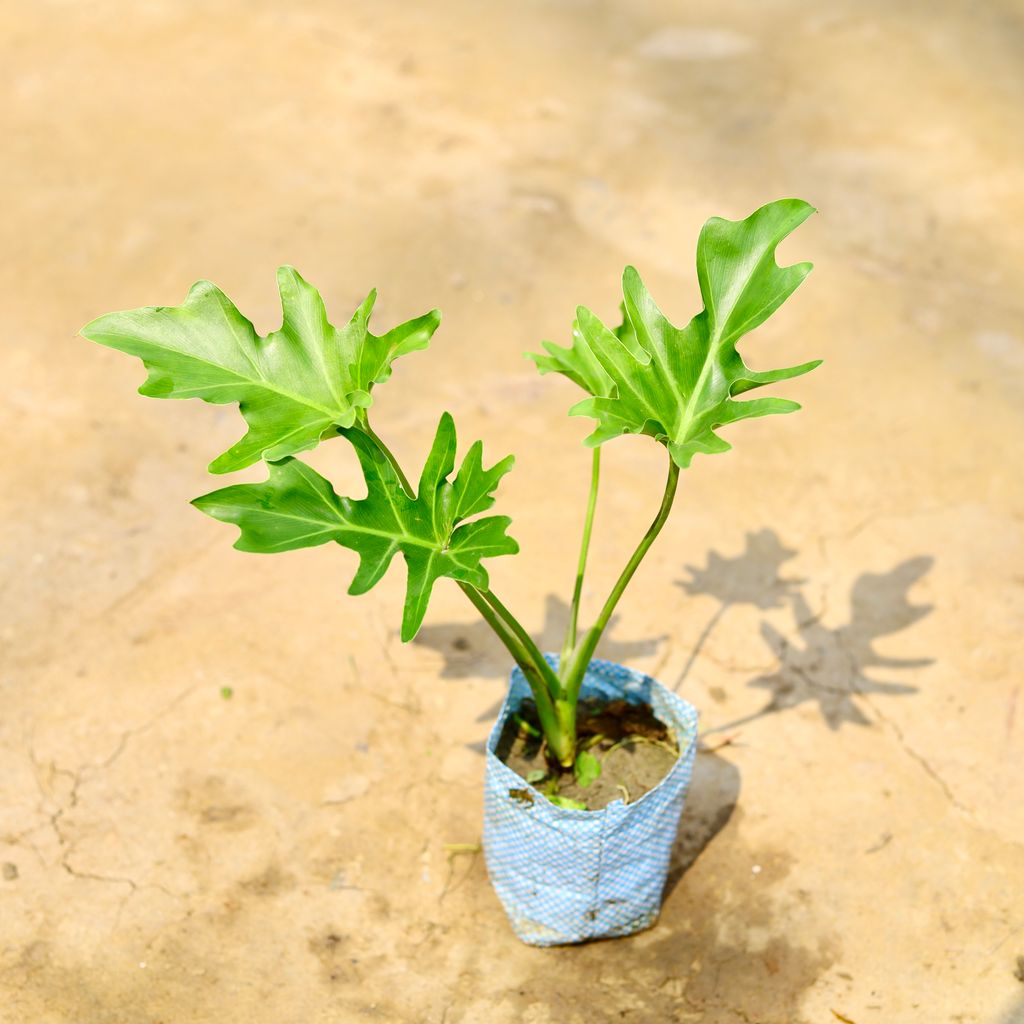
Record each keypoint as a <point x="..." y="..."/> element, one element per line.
<point x="310" y="381"/>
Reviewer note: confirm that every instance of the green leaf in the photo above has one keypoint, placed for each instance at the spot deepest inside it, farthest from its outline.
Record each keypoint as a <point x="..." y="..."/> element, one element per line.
<point x="293" y="387"/>
<point x="678" y="385"/>
<point x="568" y="802"/>
<point x="587" y="768"/>
<point x="525" y="726"/>
<point x="298" y="508"/>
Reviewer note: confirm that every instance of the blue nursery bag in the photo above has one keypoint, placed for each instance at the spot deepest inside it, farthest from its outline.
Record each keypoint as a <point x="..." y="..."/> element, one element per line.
<point x="567" y="876"/>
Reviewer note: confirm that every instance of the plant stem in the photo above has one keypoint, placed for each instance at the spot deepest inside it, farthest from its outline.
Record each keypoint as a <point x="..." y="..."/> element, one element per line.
<point x="543" y="682"/>
<point x="364" y="426"/>
<point x="553" y="728"/>
<point x="588" y="523"/>
<point x="515" y="648"/>
<point x="572" y="678"/>
<point x="526" y="640"/>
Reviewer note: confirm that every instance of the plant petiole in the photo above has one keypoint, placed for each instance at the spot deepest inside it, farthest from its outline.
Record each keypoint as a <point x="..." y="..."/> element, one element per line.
<point x="572" y="678"/>
<point x="588" y="524"/>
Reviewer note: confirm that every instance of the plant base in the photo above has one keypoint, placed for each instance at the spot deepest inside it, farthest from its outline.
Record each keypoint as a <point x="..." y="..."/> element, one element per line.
<point x="567" y="876"/>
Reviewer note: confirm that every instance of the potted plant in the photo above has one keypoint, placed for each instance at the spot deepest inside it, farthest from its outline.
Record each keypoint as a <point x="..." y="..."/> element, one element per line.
<point x="588" y="763"/>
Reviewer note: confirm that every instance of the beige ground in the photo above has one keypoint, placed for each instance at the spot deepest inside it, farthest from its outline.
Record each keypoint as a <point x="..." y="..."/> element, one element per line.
<point x="172" y="856"/>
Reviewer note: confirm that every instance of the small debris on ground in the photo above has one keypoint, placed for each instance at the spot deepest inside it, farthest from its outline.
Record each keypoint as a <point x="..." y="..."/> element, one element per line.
<point x="454" y="849"/>
<point x="883" y="841"/>
<point x="725" y="741"/>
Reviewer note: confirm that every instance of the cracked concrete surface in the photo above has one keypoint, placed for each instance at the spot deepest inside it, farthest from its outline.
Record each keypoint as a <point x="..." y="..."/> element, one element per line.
<point x="227" y="792"/>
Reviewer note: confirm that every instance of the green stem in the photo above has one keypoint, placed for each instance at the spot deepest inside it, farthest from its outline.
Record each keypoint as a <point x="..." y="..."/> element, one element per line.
<point x="550" y="722"/>
<point x="573" y="676"/>
<point x="515" y="648"/>
<point x="526" y="640"/>
<point x="588" y="524"/>
<point x="364" y="426"/>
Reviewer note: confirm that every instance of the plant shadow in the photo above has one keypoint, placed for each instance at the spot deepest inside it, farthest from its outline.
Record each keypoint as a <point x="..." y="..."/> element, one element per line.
<point x="827" y="666"/>
<point x="710" y="803"/>
<point x="1015" y="1014"/>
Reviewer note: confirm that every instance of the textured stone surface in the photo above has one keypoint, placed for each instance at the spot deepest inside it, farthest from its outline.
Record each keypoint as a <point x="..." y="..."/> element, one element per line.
<point x="856" y="853"/>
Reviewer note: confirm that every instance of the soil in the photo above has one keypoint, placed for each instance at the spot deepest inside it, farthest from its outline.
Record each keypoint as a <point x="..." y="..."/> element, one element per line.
<point x="634" y="749"/>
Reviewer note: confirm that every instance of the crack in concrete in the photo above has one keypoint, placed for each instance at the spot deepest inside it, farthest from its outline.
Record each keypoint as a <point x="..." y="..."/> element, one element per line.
<point x="742" y="1014"/>
<point x="89" y="876"/>
<point x="20" y="841"/>
<point x="901" y="740"/>
<point x="896" y="731"/>
<point x="861" y="525"/>
<point x="737" y="667"/>
<point x="146" y="582"/>
<point x="133" y="887"/>
<point x="78" y="778"/>
<point x="130" y="734"/>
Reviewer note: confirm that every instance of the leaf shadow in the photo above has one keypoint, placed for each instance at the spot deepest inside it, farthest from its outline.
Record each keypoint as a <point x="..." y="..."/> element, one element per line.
<point x="752" y="578"/>
<point x="816" y="663"/>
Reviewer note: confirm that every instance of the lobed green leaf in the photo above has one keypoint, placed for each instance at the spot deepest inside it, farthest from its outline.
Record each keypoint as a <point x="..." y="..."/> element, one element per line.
<point x="293" y="387"/>
<point x="679" y="385"/>
<point x="296" y="508"/>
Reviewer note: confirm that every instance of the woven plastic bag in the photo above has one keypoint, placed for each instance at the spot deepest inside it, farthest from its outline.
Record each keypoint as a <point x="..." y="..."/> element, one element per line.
<point x="567" y="876"/>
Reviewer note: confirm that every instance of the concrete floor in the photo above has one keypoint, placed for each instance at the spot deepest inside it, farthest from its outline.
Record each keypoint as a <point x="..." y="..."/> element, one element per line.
<point x="855" y="572"/>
